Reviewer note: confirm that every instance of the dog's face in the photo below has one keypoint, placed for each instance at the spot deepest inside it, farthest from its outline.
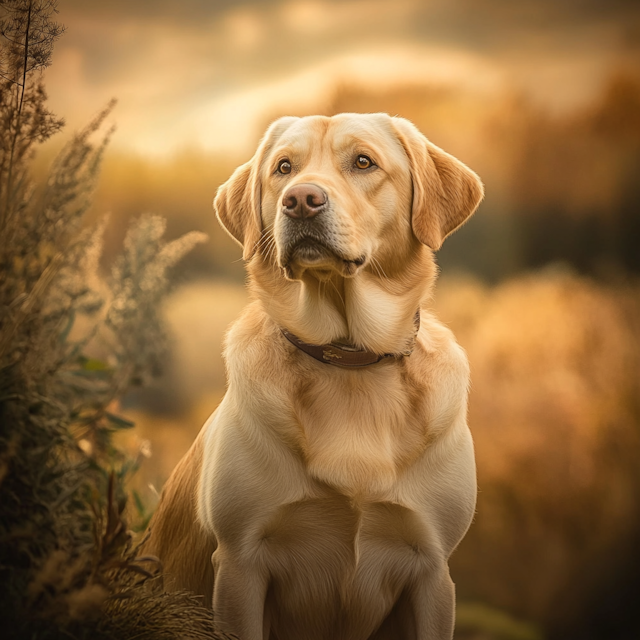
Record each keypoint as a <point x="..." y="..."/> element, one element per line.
<point x="334" y="192"/>
<point x="333" y="195"/>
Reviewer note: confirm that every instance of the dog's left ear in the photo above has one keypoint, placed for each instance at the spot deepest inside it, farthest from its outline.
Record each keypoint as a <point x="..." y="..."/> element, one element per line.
<point x="238" y="201"/>
<point x="445" y="191"/>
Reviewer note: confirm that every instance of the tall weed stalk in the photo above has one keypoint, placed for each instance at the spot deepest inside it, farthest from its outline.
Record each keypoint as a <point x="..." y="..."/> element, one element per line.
<point x="67" y="566"/>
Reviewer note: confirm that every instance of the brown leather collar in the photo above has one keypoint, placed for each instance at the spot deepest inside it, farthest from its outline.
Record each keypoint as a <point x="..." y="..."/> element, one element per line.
<point x="347" y="356"/>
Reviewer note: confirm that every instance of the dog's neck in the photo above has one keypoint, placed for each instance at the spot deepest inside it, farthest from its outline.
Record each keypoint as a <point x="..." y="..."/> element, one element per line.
<point x="348" y="356"/>
<point x="367" y="311"/>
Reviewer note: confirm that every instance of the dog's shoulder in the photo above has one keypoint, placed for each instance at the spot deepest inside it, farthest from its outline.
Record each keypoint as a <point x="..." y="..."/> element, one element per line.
<point x="253" y="341"/>
<point x="440" y="347"/>
<point x="439" y="367"/>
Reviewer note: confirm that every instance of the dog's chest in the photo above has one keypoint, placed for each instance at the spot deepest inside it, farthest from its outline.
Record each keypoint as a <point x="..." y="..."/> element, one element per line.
<point x="350" y="560"/>
<point x="358" y="437"/>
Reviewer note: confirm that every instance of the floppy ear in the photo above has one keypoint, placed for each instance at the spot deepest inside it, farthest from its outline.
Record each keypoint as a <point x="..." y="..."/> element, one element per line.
<point x="238" y="201"/>
<point x="445" y="191"/>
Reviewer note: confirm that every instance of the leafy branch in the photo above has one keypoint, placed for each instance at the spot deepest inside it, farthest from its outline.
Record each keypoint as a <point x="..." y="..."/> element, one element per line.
<point x="72" y="342"/>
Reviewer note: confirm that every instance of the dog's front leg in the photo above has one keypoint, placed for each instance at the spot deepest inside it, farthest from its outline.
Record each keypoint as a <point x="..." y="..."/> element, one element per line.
<point x="424" y="611"/>
<point x="433" y="602"/>
<point x="239" y="592"/>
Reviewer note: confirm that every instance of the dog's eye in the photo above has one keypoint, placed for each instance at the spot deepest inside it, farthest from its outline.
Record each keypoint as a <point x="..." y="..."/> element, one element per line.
<point x="363" y="162"/>
<point x="284" y="167"/>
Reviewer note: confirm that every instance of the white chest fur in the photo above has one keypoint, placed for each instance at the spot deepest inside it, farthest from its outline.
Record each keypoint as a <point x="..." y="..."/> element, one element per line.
<point x="359" y="429"/>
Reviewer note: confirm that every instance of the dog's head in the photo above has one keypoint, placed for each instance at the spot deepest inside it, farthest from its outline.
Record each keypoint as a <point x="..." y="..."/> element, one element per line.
<point x="331" y="198"/>
<point x="329" y="191"/>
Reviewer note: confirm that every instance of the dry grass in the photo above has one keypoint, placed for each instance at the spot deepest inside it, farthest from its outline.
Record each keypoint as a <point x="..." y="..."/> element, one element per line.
<point x="67" y="565"/>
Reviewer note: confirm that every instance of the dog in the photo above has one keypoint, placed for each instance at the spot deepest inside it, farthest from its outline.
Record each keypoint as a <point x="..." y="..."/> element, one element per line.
<point x="324" y="496"/>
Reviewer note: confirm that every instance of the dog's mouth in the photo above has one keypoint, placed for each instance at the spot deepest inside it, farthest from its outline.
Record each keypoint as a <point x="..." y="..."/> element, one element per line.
<point x="313" y="254"/>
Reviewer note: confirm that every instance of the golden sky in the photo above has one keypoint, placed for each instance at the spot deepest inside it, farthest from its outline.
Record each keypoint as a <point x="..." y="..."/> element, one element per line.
<point x="203" y="73"/>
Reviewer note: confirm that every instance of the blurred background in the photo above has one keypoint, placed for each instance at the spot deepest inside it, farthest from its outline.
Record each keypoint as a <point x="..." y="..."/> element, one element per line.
<point x="542" y="99"/>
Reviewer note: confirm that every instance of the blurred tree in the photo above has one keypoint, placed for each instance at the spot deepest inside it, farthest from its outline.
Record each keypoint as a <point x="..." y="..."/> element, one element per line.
<point x="574" y="183"/>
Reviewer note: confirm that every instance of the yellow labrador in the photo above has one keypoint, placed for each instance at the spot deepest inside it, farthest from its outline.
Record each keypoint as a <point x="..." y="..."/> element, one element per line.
<point x="323" y="498"/>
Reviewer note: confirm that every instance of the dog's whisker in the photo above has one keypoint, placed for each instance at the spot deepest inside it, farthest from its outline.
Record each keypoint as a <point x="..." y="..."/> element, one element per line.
<point x="322" y="289"/>
<point x="266" y="236"/>
<point x="344" y="306"/>
<point x="271" y="249"/>
<point x="258" y="245"/>
<point x="264" y="242"/>
<point x="268" y="248"/>
<point x="375" y="262"/>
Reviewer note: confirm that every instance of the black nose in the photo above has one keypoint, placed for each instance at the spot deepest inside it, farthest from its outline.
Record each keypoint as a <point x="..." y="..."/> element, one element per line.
<point x="304" y="201"/>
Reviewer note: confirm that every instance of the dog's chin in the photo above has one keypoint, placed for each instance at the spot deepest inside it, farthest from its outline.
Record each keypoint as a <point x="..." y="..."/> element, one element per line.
<point x="318" y="261"/>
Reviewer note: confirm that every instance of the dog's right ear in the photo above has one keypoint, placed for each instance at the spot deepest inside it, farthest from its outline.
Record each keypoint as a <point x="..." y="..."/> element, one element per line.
<point x="238" y="201"/>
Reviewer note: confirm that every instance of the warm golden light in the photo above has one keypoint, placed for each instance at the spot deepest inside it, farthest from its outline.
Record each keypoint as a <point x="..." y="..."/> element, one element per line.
<point x="542" y="99"/>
